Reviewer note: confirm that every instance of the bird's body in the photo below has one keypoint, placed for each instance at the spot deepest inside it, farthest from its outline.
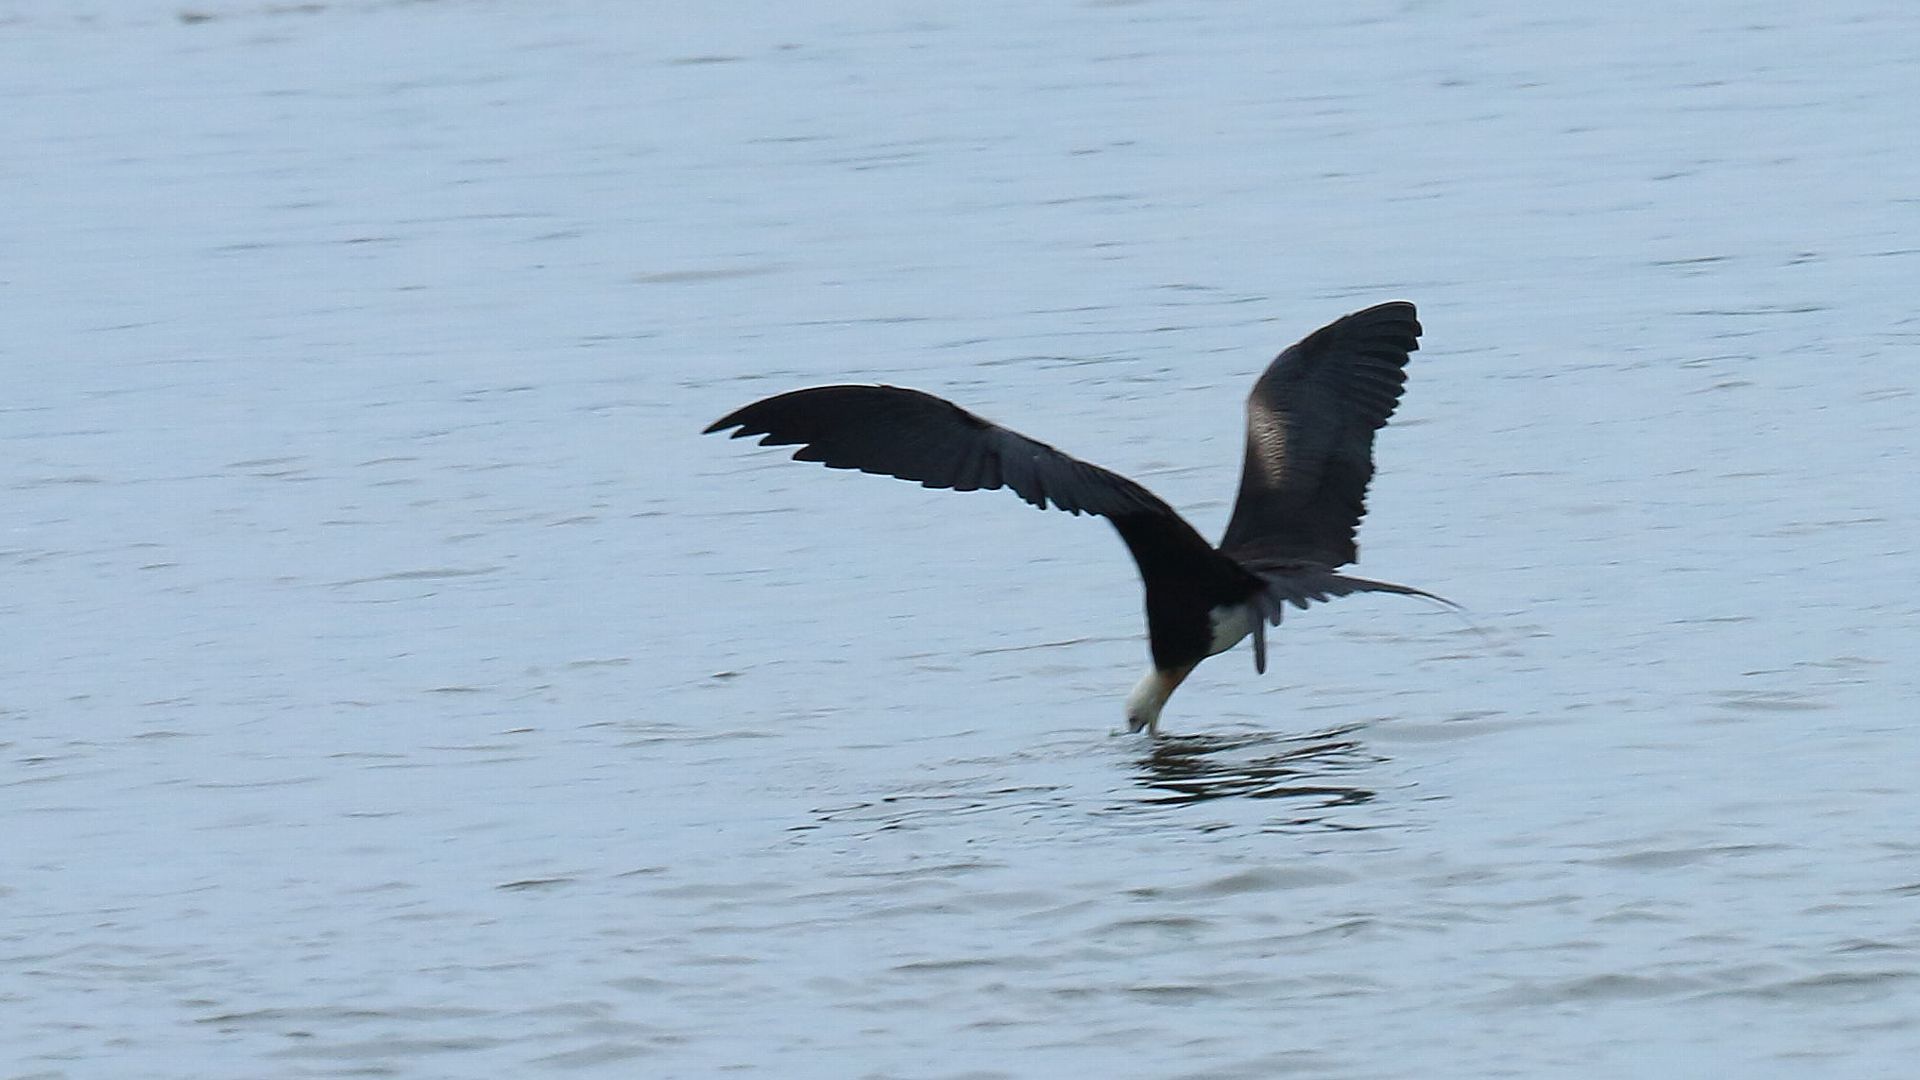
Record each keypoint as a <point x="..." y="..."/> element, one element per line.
<point x="1311" y="419"/>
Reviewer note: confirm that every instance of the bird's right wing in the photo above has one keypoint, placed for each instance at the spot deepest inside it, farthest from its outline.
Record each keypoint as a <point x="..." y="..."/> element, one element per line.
<point x="915" y="436"/>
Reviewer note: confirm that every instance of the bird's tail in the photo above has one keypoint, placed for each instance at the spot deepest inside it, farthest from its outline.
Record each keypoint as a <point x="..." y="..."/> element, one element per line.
<point x="1303" y="585"/>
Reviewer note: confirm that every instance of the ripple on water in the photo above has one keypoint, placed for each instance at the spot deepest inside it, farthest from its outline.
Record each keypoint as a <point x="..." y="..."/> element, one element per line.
<point x="1312" y="775"/>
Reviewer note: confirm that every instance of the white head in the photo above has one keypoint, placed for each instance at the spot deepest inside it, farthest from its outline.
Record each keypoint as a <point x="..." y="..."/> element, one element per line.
<point x="1150" y="695"/>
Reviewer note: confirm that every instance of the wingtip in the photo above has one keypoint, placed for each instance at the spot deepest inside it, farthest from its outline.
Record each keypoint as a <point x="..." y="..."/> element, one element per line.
<point x="731" y="420"/>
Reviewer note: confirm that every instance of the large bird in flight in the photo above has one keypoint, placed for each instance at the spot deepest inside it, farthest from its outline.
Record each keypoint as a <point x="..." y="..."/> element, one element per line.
<point x="1310" y="424"/>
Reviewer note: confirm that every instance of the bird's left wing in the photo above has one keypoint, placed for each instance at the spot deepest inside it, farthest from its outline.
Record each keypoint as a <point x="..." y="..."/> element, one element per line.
<point x="1310" y="425"/>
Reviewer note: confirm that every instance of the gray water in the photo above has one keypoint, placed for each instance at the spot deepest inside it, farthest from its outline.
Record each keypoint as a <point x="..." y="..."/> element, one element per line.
<point x="395" y="683"/>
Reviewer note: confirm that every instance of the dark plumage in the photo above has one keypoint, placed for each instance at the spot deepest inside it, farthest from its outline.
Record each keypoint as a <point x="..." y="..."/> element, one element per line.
<point x="1310" y="424"/>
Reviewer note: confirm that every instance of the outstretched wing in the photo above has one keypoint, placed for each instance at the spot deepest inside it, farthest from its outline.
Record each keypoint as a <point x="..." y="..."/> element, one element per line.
<point x="1310" y="424"/>
<point x="915" y="436"/>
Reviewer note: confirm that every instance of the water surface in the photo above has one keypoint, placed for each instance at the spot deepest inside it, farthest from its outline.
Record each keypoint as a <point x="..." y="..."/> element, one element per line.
<point x="396" y="684"/>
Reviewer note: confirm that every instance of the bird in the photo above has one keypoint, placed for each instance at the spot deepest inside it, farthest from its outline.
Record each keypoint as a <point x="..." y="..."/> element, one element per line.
<point x="1311" y="419"/>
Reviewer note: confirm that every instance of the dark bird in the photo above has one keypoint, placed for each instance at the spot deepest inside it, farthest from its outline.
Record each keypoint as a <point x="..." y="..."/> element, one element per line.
<point x="1310" y="424"/>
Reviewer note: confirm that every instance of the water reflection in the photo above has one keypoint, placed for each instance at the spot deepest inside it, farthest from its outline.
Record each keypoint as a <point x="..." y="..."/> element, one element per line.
<point x="1184" y="769"/>
<point x="1306" y="781"/>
